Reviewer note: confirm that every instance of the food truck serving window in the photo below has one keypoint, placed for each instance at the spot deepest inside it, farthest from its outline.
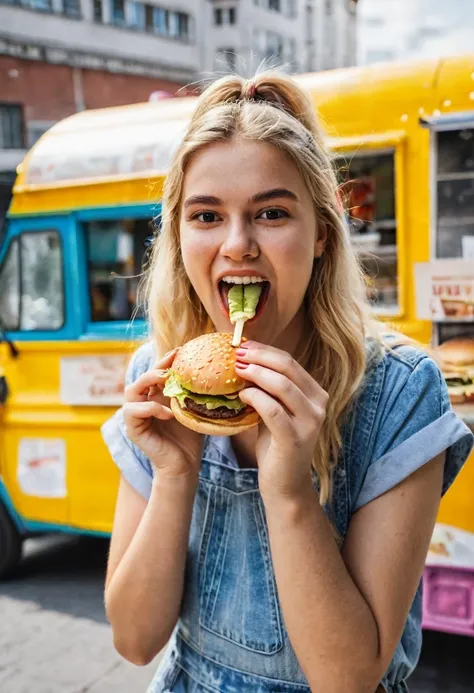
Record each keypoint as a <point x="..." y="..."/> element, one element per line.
<point x="368" y="184"/>
<point x="31" y="283"/>
<point x="455" y="222"/>
<point x="115" y="255"/>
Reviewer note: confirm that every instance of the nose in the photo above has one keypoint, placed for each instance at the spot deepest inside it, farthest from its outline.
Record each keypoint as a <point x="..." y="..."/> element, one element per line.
<point x="240" y="242"/>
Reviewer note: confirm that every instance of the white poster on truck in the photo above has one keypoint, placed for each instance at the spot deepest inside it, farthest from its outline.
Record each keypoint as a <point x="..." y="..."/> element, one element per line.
<point x="41" y="470"/>
<point x="445" y="290"/>
<point x="451" y="546"/>
<point x="93" y="380"/>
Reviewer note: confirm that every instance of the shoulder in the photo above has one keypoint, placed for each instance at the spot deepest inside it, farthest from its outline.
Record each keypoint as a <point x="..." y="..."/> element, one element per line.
<point x="404" y="369"/>
<point x="141" y="361"/>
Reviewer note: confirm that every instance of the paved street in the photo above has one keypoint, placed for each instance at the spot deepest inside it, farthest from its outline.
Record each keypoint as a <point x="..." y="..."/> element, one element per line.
<point x="54" y="637"/>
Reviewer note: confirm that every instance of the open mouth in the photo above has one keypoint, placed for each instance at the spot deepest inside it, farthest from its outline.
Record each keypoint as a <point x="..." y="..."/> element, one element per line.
<point x="226" y="283"/>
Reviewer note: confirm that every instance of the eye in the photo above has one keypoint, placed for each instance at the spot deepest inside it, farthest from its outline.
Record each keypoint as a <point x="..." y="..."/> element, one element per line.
<point x="273" y="214"/>
<point x="206" y="217"/>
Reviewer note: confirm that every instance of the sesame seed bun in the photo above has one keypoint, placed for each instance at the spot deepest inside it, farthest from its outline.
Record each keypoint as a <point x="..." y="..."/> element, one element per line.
<point x="206" y="366"/>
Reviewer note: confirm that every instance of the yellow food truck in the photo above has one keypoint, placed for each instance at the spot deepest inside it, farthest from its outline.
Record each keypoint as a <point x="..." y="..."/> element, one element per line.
<point x="87" y="198"/>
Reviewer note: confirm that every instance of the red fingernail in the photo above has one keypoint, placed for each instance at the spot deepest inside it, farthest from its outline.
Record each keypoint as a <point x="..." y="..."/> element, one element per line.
<point x="241" y="365"/>
<point x="241" y="352"/>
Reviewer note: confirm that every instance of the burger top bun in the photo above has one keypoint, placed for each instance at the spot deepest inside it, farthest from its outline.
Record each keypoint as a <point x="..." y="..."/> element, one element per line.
<point x="457" y="352"/>
<point x="206" y="365"/>
<point x="213" y="427"/>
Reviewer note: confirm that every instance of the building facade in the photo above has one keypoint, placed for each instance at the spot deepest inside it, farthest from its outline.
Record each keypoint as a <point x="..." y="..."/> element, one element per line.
<point x="58" y="57"/>
<point x="299" y="35"/>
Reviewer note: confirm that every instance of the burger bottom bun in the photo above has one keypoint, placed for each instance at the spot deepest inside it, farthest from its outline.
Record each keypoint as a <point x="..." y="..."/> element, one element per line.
<point x="212" y="427"/>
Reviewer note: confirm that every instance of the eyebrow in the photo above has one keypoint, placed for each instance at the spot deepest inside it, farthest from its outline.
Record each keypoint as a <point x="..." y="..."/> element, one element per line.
<point x="202" y="200"/>
<point x="274" y="194"/>
<point x="264" y="196"/>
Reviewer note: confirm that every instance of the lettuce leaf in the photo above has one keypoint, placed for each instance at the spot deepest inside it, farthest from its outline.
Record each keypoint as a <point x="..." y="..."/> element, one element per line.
<point x="243" y="301"/>
<point x="173" y="388"/>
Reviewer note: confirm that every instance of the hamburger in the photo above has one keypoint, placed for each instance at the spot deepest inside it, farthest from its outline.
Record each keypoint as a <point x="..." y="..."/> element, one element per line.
<point x="204" y="387"/>
<point x="457" y="364"/>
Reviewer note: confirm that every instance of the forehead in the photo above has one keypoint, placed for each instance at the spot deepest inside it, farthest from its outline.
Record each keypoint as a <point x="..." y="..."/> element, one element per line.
<point x="241" y="168"/>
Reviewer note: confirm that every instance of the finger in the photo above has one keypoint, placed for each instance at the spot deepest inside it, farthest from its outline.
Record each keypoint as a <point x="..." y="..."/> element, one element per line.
<point x="281" y="362"/>
<point x="278" y="386"/>
<point x="146" y="410"/>
<point x="138" y="390"/>
<point x="166" y="361"/>
<point x="273" y="414"/>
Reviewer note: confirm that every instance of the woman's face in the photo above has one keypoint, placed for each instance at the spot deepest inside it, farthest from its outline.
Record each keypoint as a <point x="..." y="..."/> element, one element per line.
<point x="246" y="212"/>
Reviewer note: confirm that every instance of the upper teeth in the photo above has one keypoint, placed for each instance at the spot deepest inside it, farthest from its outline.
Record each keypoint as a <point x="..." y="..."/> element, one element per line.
<point x="242" y="280"/>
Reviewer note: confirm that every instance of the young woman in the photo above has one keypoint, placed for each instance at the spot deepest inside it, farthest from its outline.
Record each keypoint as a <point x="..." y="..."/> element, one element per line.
<point x="286" y="558"/>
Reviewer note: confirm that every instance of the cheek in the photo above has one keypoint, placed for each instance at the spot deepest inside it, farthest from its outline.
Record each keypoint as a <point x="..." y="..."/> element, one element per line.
<point x="195" y="252"/>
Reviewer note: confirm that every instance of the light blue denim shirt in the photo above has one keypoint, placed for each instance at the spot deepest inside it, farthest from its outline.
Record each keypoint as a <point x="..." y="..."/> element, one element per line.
<point x="231" y="634"/>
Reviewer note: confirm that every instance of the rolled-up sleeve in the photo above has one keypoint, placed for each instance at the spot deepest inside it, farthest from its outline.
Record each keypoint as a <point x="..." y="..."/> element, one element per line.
<point x="420" y="426"/>
<point x="134" y="466"/>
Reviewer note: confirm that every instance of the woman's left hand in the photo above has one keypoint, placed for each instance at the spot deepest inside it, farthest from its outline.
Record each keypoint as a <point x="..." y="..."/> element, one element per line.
<point x="292" y="406"/>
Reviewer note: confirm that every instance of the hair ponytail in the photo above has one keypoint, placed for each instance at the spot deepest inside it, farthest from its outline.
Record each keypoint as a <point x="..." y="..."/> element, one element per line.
<point x="268" y="88"/>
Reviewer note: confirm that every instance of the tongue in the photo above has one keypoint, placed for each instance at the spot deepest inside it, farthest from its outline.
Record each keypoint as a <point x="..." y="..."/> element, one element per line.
<point x="243" y="301"/>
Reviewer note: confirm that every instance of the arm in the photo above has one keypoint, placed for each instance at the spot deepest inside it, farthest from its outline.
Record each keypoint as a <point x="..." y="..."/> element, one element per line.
<point x="345" y="614"/>
<point x="145" y="573"/>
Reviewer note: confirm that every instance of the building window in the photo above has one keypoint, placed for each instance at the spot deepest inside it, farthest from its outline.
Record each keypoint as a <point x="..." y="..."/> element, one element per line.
<point x="232" y="15"/>
<point x="97" y="10"/>
<point x="174" y="24"/>
<point x="218" y="16"/>
<point x="183" y="26"/>
<point x="118" y="12"/>
<point x="161" y="21"/>
<point x="40" y="5"/>
<point x="291" y="9"/>
<point x="136" y="15"/>
<point x="274" y="46"/>
<point x="149" y="18"/>
<point x="226" y="59"/>
<point x="72" y="8"/>
<point x="11" y="127"/>
<point x="274" y="5"/>
<point x="116" y="254"/>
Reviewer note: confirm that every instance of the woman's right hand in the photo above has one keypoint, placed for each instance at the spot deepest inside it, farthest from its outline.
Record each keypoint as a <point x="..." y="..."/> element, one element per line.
<point x="172" y="449"/>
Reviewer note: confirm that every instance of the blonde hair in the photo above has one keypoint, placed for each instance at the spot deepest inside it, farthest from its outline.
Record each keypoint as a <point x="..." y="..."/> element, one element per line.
<point x="271" y="108"/>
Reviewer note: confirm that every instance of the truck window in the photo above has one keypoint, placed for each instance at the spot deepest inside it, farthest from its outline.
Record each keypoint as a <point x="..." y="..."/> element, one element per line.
<point x="10" y="288"/>
<point x="31" y="283"/>
<point x="42" y="288"/>
<point x="455" y="232"/>
<point x="455" y="209"/>
<point x="368" y="187"/>
<point x="115" y="255"/>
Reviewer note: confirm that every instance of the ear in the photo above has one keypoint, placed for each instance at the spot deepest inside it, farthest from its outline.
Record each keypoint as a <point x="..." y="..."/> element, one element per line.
<point x="321" y="239"/>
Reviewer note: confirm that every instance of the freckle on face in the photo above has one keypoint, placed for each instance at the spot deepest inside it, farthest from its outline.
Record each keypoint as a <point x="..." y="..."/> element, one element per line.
<point x="234" y="172"/>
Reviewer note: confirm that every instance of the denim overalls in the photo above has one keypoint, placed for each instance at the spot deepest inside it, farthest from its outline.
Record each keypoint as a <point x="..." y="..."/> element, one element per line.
<point x="231" y="635"/>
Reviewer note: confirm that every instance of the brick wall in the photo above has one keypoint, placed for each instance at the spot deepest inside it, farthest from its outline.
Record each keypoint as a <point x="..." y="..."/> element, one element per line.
<point x="47" y="91"/>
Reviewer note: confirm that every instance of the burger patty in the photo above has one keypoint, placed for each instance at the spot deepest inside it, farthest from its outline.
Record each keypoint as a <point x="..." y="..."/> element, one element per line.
<point x="218" y="413"/>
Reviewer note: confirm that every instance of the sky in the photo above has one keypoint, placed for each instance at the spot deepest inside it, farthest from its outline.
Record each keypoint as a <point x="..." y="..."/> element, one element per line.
<point x="397" y="29"/>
